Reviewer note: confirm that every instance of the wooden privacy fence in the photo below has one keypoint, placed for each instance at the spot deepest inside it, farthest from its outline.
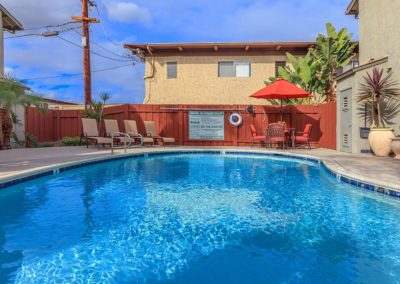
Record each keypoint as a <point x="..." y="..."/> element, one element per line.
<point x="173" y="121"/>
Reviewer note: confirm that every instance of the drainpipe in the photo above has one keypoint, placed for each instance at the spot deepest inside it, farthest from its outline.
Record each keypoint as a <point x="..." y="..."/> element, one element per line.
<point x="1" y="46"/>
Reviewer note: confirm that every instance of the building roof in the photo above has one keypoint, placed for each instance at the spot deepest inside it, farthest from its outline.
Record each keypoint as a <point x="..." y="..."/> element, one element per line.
<point x="59" y="102"/>
<point x="154" y="49"/>
<point x="9" y="22"/>
<point x="353" y="8"/>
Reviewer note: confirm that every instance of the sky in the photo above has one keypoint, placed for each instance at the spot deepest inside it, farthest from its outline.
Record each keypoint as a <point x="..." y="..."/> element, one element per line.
<point x="35" y="58"/>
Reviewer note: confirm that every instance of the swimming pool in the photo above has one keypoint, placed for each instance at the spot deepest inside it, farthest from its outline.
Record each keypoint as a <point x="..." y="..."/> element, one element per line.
<point x="197" y="218"/>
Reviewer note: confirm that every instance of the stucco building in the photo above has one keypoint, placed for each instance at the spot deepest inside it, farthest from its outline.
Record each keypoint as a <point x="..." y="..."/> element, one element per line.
<point x="211" y="73"/>
<point x="379" y="46"/>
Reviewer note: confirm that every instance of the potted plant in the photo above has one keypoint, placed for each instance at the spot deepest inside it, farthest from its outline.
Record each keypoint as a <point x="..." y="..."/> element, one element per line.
<point x="395" y="146"/>
<point x="379" y="91"/>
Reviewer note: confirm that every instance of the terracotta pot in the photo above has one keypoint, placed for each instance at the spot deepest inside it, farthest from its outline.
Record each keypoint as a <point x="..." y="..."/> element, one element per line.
<point x="379" y="140"/>
<point x="395" y="146"/>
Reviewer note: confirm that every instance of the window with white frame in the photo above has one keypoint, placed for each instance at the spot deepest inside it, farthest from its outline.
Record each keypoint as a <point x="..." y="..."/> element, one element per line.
<point x="234" y="69"/>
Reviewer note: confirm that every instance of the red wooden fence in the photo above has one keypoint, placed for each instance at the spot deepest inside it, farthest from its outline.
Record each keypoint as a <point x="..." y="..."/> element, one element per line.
<point x="172" y="121"/>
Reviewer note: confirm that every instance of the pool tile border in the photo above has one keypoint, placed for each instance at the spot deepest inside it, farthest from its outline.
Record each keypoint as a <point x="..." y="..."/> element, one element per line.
<point x="78" y="164"/>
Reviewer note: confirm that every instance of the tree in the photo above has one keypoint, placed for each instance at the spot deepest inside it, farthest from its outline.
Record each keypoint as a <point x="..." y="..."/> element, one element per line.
<point x="315" y="71"/>
<point x="13" y="93"/>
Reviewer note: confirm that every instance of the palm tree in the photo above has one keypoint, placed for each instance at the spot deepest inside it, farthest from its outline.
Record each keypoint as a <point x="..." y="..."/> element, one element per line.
<point x="13" y="93"/>
<point x="379" y="90"/>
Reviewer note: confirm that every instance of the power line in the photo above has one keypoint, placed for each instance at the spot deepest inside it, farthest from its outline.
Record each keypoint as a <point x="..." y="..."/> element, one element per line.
<point x="43" y="33"/>
<point x="77" y="74"/>
<point x="92" y="52"/>
<point x="50" y="26"/>
<point x="104" y="30"/>
<point x="126" y="56"/>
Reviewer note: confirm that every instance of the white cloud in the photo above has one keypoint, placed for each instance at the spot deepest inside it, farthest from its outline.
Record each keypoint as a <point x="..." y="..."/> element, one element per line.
<point x="42" y="12"/>
<point x="126" y="12"/>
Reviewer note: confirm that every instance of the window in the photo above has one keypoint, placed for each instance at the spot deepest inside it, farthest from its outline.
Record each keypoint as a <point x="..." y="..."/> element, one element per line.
<point x="234" y="69"/>
<point x="277" y="65"/>
<point x="172" y="70"/>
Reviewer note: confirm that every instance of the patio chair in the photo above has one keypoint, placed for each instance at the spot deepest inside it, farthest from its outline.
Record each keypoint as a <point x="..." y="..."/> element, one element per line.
<point x="151" y="131"/>
<point x="305" y="136"/>
<point x="276" y="135"/>
<point x="112" y="127"/>
<point x="91" y="133"/>
<point x="132" y="130"/>
<point x="255" y="137"/>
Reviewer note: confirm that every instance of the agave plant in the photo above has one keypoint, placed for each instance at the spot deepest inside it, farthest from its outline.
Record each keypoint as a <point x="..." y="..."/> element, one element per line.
<point x="382" y="94"/>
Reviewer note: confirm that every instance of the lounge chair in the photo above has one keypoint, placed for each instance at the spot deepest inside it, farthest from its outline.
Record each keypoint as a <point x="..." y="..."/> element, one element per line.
<point x="151" y="131"/>
<point x="112" y="128"/>
<point x="132" y="130"/>
<point x="255" y="137"/>
<point x="304" y="137"/>
<point x="91" y="133"/>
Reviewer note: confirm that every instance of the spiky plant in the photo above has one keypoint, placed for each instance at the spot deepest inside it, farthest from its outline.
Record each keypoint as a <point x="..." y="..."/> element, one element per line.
<point x="375" y="89"/>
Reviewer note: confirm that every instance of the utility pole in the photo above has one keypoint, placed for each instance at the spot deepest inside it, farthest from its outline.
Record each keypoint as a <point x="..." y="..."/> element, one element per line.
<point x="87" y="76"/>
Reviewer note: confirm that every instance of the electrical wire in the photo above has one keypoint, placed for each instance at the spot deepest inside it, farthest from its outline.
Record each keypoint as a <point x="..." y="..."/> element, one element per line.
<point x="24" y="35"/>
<point x="105" y="49"/>
<point x="51" y="26"/>
<point x="92" y="52"/>
<point x="104" y="30"/>
<point x="77" y="74"/>
<point x="41" y="34"/>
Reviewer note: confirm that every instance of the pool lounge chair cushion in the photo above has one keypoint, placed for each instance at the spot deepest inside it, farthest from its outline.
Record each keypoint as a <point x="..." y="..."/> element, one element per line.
<point x="132" y="130"/>
<point x="90" y="131"/>
<point x="151" y="131"/>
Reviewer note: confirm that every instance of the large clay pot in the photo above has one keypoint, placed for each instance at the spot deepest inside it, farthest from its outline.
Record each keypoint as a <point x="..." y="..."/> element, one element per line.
<point x="379" y="140"/>
<point x="395" y="146"/>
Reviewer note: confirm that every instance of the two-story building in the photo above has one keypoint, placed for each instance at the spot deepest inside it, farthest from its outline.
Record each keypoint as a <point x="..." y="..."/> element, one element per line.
<point x="379" y="46"/>
<point x="211" y="73"/>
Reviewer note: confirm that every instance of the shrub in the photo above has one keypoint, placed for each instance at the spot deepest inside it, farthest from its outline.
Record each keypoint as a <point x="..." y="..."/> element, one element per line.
<point x="73" y="141"/>
<point x="30" y="140"/>
<point x="45" y="144"/>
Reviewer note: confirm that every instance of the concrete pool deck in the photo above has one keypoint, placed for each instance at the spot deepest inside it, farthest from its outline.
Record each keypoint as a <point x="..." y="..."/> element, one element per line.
<point x="19" y="163"/>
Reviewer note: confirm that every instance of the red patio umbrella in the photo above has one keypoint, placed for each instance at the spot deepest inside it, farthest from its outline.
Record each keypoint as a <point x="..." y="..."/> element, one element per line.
<point x="281" y="89"/>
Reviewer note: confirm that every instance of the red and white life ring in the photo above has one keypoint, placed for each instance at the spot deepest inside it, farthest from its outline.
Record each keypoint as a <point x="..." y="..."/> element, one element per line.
<point x="235" y="119"/>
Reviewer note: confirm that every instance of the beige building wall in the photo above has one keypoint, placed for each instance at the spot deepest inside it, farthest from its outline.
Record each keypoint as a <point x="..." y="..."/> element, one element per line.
<point x="379" y="23"/>
<point x="379" y="45"/>
<point x="197" y="80"/>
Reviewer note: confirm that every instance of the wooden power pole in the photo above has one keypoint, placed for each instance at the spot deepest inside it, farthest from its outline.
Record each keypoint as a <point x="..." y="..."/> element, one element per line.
<point x="87" y="76"/>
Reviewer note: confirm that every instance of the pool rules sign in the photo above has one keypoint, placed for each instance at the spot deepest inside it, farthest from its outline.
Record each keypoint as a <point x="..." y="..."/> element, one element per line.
<point x="206" y="125"/>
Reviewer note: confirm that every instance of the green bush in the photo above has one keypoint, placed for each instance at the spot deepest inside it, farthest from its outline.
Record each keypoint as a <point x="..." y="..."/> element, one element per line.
<point x="73" y="141"/>
<point x="30" y="140"/>
<point x="45" y="144"/>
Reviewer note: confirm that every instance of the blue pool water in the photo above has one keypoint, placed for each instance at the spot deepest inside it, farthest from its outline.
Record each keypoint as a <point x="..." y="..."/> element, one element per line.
<point x="197" y="218"/>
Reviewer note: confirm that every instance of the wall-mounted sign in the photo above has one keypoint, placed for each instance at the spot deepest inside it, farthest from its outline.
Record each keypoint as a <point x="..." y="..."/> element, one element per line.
<point x="206" y="125"/>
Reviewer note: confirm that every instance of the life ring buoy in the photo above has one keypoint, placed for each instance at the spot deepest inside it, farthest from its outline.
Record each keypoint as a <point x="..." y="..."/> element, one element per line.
<point x="235" y="119"/>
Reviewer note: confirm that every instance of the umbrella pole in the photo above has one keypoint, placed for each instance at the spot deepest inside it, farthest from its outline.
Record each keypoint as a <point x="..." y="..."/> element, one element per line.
<point x="281" y="111"/>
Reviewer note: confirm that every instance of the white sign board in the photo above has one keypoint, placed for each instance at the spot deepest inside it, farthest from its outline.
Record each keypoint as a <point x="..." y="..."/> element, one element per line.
<point x="206" y="125"/>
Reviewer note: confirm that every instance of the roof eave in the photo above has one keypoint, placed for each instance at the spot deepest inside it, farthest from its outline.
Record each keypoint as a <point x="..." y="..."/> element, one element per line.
<point x="353" y="8"/>
<point x="13" y="24"/>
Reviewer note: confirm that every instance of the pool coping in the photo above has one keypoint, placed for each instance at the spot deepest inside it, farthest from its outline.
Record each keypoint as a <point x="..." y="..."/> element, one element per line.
<point x="331" y="167"/>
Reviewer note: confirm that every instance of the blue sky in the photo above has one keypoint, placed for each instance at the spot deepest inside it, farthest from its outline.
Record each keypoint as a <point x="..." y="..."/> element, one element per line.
<point x="149" y="21"/>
